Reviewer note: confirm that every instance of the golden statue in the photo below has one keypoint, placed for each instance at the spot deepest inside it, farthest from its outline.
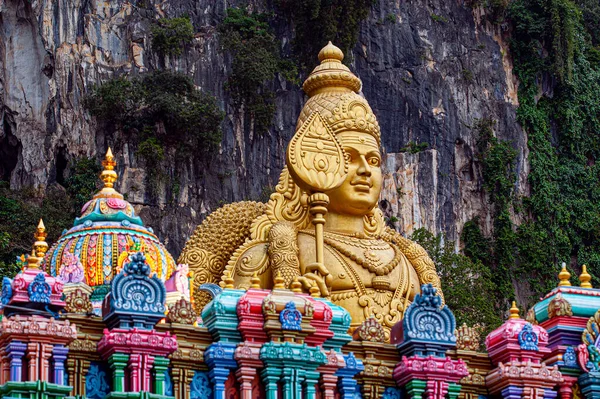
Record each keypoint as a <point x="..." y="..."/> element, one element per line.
<point x="321" y="226"/>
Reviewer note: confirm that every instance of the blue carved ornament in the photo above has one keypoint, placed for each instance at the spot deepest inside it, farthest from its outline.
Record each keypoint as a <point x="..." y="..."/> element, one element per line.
<point x="168" y="383"/>
<point x="528" y="339"/>
<point x="426" y="319"/>
<point x="391" y="393"/>
<point x="570" y="357"/>
<point x="135" y="295"/>
<point x="200" y="386"/>
<point x="97" y="384"/>
<point x="7" y="291"/>
<point x="291" y="318"/>
<point x="39" y="290"/>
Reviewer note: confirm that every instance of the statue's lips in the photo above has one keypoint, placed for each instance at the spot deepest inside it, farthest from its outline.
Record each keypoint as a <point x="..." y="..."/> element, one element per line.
<point x="363" y="186"/>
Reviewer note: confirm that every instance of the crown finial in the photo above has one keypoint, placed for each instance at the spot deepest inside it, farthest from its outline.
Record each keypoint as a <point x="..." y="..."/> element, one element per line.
<point x="585" y="278"/>
<point x="514" y="311"/>
<point x="255" y="281"/>
<point x="279" y="282"/>
<point x="331" y="53"/>
<point x="331" y="75"/>
<point x="296" y="286"/>
<point x="564" y="276"/>
<point x="228" y="280"/>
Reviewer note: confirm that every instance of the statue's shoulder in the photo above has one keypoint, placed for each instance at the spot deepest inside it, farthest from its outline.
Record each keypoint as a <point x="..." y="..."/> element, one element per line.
<point x="418" y="258"/>
<point x="217" y="238"/>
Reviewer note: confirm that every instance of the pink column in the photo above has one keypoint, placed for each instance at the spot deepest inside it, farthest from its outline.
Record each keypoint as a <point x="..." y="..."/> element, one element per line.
<point x="566" y="387"/>
<point x="134" y="372"/>
<point x="33" y="359"/>
<point x="436" y="389"/>
<point x="328" y="383"/>
<point x="44" y="361"/>
<point x="4" y="367"/>
<point x="146" y="368"/>
<point x="245" y="375"/>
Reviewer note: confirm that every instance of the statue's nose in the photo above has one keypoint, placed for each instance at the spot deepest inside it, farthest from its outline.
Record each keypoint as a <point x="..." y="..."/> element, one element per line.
<point x="363" y="169"/>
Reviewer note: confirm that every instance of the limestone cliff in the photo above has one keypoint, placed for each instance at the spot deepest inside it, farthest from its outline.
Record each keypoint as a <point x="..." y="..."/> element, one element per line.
<point x="429" y="70"/>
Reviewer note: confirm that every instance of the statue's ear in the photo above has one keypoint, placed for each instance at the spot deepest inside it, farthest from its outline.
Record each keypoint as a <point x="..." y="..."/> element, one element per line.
<point x="316" y="160"/>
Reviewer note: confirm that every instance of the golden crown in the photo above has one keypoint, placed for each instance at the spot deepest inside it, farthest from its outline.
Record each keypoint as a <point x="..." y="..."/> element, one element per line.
<point x="333" y="92"/>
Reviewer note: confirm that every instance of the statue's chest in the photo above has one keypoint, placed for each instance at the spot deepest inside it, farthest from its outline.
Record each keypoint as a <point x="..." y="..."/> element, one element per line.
<point x="356" y="262"/>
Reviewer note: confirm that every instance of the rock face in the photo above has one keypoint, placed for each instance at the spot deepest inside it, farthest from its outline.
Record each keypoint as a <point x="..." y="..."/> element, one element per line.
<point x="427" y="76"/>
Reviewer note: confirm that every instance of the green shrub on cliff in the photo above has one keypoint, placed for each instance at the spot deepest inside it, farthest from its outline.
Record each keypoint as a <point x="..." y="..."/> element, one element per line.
<point x="552" y="42"/>
<point x="170" y="35"/>
<point x="159" y="110"/>
<point x="256" y="61"/>
<point x="316" y="22"/>
<point x="186" y="116"/>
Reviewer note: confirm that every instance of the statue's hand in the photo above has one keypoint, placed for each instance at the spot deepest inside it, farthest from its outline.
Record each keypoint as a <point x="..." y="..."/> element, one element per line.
<point x="316" y="273"/>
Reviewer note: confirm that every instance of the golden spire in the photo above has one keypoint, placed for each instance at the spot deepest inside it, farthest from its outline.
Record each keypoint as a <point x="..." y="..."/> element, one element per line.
<point x="109" y="176"/>
<point x="40" y="246"/>
<point x="228" y="280"/>
<point x="296" y="286"/>
<point x="279" y="282"/>
<point x="255" y="281"/>
<point x="585" y="278"/>
<point x="514" y="311"/>
<point x="564" y="276"/>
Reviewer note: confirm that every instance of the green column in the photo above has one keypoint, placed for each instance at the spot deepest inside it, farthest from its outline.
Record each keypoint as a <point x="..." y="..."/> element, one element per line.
<point x="161" y="365"/>
<point x="117" y="363"/>
<point x="415" y="388"/>
<point x="453" y="390"/>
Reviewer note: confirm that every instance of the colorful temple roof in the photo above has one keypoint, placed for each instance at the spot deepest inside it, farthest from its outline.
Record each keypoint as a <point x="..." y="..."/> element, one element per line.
<point x="101" y="239"/>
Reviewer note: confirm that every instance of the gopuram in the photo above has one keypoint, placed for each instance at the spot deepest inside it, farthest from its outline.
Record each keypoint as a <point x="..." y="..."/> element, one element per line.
<point x="307" y="296"/>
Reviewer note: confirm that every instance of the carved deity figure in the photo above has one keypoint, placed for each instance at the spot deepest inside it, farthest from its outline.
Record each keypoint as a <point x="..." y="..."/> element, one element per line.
<point x="322" y="225"/>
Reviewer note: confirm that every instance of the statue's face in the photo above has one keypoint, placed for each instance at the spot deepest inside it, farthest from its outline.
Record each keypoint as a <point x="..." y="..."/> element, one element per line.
<point x="359" y="193"/>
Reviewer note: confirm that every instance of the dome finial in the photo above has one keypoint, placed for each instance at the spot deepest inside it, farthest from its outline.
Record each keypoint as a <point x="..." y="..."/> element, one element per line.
<point x="585" y="278"/>
<point x="315" y="292"/>
<point x="564" y="276"/>
<point x="109" y="176"/>
<point x="514" y="311"/>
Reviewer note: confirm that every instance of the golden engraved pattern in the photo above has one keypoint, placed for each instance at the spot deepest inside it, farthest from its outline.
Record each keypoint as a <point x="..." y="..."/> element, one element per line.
<point x="468" y="338"/>
<point x="288" y="202"/>
<point x="315" y="156"/>
<point x="214" y="241"/>
<point x="283" y="251"/>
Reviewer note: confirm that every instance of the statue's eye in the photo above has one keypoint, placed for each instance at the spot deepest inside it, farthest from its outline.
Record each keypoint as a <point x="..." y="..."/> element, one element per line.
<point x="374" y="161"/>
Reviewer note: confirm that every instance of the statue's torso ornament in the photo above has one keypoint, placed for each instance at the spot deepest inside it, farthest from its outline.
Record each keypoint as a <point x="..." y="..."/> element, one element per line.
<point x="321" y="226"/>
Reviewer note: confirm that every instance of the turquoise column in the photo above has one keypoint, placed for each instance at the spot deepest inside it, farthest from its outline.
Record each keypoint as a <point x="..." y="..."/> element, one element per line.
<point x="270" y="377"/>
<point x="310" y="380"/>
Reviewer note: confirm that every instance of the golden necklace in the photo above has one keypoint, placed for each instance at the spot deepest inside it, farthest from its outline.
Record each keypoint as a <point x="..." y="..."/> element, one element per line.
<point x="371" y="261"/>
